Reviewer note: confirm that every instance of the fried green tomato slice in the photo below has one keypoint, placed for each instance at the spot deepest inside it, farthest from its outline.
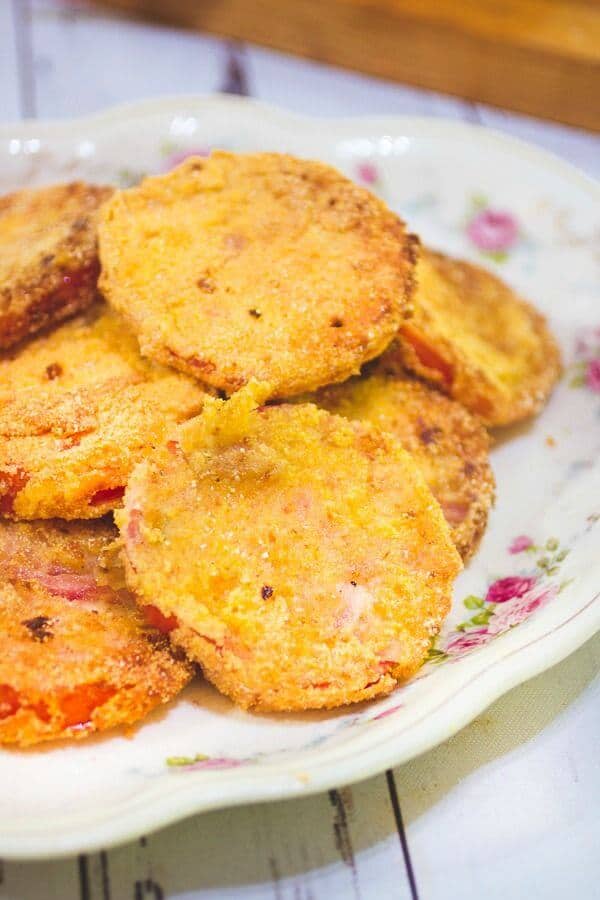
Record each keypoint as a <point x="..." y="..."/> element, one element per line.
<point x="477" y="341"/>
<point x="299" y="557"/>
<point x="449" y="445"/>
<point x="78" y="655"/>
<point x="257" y="266"/>
<point x="78" y="408"/>
<point x="48" y="256"/>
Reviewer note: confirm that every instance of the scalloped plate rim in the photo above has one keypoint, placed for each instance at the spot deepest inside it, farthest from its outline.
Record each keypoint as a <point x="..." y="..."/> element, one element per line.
<point x="430" y="126"/>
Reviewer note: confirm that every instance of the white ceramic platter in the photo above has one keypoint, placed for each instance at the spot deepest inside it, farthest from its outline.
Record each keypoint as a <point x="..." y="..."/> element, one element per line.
<point x="531" y="595"/>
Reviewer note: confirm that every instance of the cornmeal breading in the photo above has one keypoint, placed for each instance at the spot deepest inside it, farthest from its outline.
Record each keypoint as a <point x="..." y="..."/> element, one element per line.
<point x="479" y="342"/>
<point x="48" y="256"/>
<point x="449" y="445"/>
<point x="77" y="653"/>
<point x="257" y="266"/>
<point x="299" y="557"/>
<point x="78" y="408"/>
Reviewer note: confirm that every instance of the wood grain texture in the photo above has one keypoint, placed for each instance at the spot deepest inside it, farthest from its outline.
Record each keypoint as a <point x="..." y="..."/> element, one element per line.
<point x="538" y="56"/>
<point x="338" y="844"/>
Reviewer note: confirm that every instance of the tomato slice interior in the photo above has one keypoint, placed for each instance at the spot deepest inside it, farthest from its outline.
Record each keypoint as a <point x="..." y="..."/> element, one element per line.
<point x="77" y="706"/>
<point x="428" y="356"/>
<point x="155" y="618"/>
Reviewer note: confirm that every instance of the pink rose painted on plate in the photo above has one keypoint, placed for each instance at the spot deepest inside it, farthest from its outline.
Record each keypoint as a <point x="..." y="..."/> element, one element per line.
<point x="493" y="231"/>
<point x="507" y="602"/>
<point x="367" y="173"/>
<point x="520" y="544"/>
<point x="463" y="642"/>
<point x="519" y="608"/>
<point x="506" y="588"/>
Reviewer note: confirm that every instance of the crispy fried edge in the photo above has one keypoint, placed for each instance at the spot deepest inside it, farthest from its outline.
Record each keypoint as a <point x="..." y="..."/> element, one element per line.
<point x="470" y="386"/>
<point x="130" y="703"/>
<point x="39" y="297"/>
<point x="471" y="437"/>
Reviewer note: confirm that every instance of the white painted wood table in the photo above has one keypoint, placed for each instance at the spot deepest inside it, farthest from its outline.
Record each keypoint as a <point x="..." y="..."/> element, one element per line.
<point x="506" y="809"/>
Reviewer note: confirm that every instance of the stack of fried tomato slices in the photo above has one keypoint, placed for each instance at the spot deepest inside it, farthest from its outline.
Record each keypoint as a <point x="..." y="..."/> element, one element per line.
<point x="244" y="431"/>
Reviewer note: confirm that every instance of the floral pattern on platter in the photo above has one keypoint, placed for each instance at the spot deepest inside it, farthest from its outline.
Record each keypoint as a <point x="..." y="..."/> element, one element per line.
<point x="202" y="762"/>
<point x="508" y="601"/>
<point x="367" y="173"/>
<point x="493" y="232"/>
<point x="585" y="371"/>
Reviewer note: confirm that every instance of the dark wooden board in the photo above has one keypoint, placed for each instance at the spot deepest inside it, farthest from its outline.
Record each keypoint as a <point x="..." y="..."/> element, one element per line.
<point x="540" y="57"/>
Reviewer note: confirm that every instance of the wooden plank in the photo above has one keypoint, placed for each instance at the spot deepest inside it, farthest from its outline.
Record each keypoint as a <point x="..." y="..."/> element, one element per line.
<point x="508" y="807"/>
<point x="570" y="28"/>
<point x="337" y="844"/>
<point x="57" y="880"/>
<point x="537" y="56"/>
<point x="340" y="843"/>
<point x="85" y="60"/>
<point x="10" y="98"/>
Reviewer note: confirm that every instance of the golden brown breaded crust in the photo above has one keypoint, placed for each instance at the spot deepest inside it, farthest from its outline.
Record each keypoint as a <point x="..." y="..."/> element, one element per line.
<point x="479" y="342"/>
<point x="257" y="266"/>
<point x="77" y="655"/>
<point x="48" y="256"/>
<point x="78" y="408"/>
<point x="298" y="556"/>
<point x="449" y="445"/>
